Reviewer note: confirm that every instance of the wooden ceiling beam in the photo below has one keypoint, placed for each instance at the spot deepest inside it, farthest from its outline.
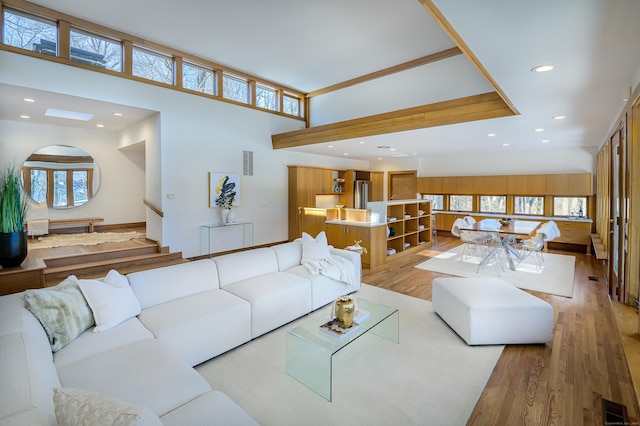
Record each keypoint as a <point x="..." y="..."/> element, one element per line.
<point x="462" y="110"/>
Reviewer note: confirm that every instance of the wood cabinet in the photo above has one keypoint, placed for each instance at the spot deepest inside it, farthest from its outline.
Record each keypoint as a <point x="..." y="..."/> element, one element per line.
<point x="372" y="238"/>
<point x="305" y="183"/>
<point x="567" y="185"/>
<point x="572" y="232"/>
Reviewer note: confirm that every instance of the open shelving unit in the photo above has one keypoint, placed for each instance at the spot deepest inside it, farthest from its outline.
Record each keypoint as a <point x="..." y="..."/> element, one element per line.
<point x="409" y="223"/>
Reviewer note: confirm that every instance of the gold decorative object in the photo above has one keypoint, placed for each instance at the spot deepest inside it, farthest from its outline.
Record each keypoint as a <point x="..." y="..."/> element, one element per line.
<point x="345" y="308"/>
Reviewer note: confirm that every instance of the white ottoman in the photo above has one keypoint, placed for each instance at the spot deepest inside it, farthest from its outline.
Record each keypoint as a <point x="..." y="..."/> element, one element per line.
<point x="489" y="311"/>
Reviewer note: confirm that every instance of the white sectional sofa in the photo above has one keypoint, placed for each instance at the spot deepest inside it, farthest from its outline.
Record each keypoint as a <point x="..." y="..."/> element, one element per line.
<point x="189" y="313"/>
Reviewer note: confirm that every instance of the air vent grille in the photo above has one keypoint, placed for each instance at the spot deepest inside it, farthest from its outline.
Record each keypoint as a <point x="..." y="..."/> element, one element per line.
<point x="247" y="163"/>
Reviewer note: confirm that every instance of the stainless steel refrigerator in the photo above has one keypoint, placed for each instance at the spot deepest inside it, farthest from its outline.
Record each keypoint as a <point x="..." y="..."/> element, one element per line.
<point x="361" y="194"/>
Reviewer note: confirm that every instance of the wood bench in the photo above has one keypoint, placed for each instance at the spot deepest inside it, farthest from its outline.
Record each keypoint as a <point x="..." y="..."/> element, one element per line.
<point x="598" y="248"/>
<point x="87" y="221"/>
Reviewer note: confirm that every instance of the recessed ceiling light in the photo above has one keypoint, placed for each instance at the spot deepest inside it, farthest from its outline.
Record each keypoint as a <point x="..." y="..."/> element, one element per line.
<point x="330" y="146"/>
<point x="117" y="114"/>
<point x="539" y="129"/>
<point x="546" y="141"/>
<point x="361" y="142"/>
<point x="346" y="153"/>
<point x="29" y="100"/>
<point x="505" y="144"/>
<point x="559" y="117"/>
<point x="491" y="134"/>
<point x="100" y="125"/>
<point x="392" y="149"/>
<point x="24" y="116"/>
<point x="71" y="115"/>
<point x="543" y="68"/>
<point x="379" y="158"/>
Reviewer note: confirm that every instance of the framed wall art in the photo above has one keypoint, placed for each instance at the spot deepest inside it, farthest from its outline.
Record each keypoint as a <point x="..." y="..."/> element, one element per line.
<point x="224" y="190"/>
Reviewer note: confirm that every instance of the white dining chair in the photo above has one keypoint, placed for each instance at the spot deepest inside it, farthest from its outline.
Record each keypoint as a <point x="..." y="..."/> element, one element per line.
<point x="533" y="247"/>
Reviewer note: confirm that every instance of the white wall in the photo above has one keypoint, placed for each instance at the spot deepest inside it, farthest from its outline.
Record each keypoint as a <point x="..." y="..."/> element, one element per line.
<point x="121" y="179"/>
<point x="196" y="135"/>
<point x="509" y="163"/>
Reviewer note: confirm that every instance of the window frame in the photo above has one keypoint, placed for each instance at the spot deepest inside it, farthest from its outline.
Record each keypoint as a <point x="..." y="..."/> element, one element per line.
<point x="50" y="191"/>
<point x="515" y="197"/>
<point x="480" y="210"/>
<point x="585" y="209"/>
<point x="461" y="195"/>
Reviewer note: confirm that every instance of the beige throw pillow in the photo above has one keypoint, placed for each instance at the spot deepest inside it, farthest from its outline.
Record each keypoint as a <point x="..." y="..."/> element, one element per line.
<point x="78" y="407"/>
<point x="62" y="310"/>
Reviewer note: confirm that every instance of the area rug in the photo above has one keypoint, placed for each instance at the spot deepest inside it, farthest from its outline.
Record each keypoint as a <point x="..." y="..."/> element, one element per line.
<point x="87" y="239"/>
<point x="430" y="378"/>
<point x="556" y="277"/>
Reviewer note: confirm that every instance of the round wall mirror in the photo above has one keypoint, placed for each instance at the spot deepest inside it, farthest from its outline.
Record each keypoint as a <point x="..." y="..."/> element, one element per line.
<point x="63" y="176"/>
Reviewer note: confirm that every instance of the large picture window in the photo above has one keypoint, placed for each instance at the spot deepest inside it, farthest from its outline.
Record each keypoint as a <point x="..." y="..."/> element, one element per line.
<point x="528" y="205"/>
<point x="60" y="187"/>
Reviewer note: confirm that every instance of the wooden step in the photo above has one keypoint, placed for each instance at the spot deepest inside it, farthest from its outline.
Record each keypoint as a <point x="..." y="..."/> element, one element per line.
<point x="74" y="259"/>
<point x="99" y="268"/>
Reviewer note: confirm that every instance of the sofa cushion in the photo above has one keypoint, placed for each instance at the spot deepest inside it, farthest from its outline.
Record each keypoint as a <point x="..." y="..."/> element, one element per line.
<point x="145" y="373"/>
<point x="323" y="289"/>
<point x="62" y="310"/>
<point x="201" y="326"/>
<point x="244" y="265"/>
<point x="15" y="318"/>
<point x="78" y="407"/>
<point x="111" y="300"/>
<point x="288" y="254"/>
<point x="88" y="344"/>
<point x="211" y="408"/>
<point x="276" y="299"/>
<point x="160" y="285"/>
<point x="27" y="376"/>
<point x="315" y="248"/>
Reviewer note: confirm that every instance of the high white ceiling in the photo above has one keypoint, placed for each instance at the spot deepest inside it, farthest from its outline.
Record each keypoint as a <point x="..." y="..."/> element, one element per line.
<point x="309" y="45"/>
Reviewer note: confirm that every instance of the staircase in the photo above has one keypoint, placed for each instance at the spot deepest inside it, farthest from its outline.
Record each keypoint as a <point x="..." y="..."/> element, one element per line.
<point x="98" y="264"/>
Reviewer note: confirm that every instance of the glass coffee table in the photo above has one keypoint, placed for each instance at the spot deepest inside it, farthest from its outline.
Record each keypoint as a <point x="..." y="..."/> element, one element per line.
<point x="310" y="351"/>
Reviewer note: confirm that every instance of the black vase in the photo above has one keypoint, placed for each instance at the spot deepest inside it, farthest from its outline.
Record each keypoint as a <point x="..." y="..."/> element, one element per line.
<point x="13" y="248"/>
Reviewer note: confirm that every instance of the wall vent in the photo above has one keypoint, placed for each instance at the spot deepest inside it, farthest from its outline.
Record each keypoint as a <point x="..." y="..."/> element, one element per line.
<point x="247" y="163"/>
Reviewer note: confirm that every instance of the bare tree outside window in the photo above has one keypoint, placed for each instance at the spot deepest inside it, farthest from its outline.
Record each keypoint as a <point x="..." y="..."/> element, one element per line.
<point x="570" y="206"/>
<point x="152" y="66"/>
<point x="529" y="205"/>
<point x="437" y="201"/>
<point x="291" y="105"/>
<point x="27" y="32"/>
<point x="235" y="88"/>
<point x="493" y="204"/>
<point x="198" y="79"/>
<point x="266" y="97"/>
<point x="462" y="203"/>
<point x="97" y="51"/>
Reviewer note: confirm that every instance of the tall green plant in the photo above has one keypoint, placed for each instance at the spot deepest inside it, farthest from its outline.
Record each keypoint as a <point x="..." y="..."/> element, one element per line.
<point x="13" y="205"/>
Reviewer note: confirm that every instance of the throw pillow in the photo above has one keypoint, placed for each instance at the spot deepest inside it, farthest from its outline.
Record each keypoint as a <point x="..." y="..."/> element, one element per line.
<point x="62" y="310"/>
<point x="315" y="248"/>
<point x="112" y="300"/>
<point x="76" y="407"/>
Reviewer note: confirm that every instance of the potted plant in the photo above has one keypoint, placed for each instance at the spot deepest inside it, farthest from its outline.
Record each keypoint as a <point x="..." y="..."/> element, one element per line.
<point x="13" y="210"/>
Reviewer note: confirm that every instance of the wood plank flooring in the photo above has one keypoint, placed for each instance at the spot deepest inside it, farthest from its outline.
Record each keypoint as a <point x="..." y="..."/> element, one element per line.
<point x="560" y="383"/>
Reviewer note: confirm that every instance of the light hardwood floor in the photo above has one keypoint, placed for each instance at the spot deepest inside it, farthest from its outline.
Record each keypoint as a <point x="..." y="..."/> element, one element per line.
<point x="561" y="383"/>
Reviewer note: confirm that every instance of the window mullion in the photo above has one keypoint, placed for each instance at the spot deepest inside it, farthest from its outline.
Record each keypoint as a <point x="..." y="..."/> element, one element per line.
<point x="64" y="41"/>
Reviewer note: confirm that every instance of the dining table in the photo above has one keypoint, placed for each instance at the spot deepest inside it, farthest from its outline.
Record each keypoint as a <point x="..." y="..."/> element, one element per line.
<point x="507" y="233"/>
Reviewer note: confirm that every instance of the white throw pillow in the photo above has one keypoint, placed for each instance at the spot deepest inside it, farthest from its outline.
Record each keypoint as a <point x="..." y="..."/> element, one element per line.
<point x="81" y="407"/>
<point x="315" y="249"/>
<point x="112" y="300"/>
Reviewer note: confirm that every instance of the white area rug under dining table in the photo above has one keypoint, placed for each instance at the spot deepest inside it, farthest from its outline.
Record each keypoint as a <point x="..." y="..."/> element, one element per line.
<point x="555" y="277"/>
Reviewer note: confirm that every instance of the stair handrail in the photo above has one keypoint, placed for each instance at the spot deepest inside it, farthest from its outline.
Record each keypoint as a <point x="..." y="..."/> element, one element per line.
<point x="153" y="207"/>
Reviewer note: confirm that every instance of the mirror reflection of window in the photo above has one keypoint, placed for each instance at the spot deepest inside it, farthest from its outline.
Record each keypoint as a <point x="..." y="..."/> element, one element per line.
<point x="63" y="176"/>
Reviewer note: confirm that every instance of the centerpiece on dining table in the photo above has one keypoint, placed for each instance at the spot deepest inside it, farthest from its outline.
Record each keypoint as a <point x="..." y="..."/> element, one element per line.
<point x="505" y="221"/>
